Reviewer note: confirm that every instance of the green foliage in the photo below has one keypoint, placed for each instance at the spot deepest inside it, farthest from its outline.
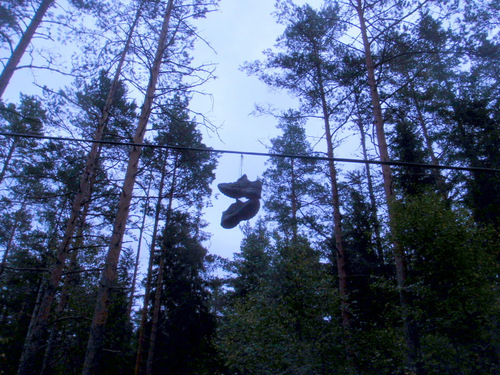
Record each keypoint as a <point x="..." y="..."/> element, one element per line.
<point x="92" y="99"/>
<point x="194" y="171"/>
<point x="453" y="263"/>
<point x="407" y="146"/>
<point x="286" y="321"/>
<point x="309" y="59"/>
<point x="19" y="291"/>
<point x="475" y="136"/>
<point x="251" y="265"/>
<point x="278" y="312"/>
<point x="291" y="183"/>
<point x="187" y="326"/>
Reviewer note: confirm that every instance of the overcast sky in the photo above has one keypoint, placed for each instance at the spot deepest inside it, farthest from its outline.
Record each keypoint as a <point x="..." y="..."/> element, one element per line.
<point x="237" y="33"/>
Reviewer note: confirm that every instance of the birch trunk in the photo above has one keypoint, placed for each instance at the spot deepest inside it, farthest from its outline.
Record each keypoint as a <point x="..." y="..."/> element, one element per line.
<point x="137" y="257"/>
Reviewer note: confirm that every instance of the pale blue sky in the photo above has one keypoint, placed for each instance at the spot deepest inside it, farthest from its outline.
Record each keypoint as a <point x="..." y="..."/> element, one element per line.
<point x="238" y="32"/>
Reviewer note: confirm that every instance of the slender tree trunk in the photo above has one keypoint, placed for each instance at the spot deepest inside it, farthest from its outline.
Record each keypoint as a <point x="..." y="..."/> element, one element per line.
<point x="294" y="204"/>
<point x="339" y="242"/>
<point x="11" y="240"/>
<point x="61" y="305"/>
<point x="36" y="334"/>
<point x="7" y="160"/>
<point x="425" y="132"/>
<point x="63" y="300"/>
<point x="440" y="179"/>
<point x="51" y="244"/>
<point x="109" y="274"/>
<point x="147" y="293"/>
<point x="399" y="254"/>
<point x="24" y="42"/>
<point x="34" y="341"/>
<point x="137" y="257"/>
<point x="371" y="193"/>
<point x="337" y="226"/>
<point x="159" y="283"/>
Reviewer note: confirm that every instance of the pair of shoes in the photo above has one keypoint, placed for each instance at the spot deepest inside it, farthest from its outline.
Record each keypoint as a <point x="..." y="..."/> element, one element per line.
<point x="239" y="211"/>
<point x="242" y="188"/>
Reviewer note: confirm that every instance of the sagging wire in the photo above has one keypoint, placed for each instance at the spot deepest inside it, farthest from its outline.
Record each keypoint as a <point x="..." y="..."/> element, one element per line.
<point x="253" y="153"/>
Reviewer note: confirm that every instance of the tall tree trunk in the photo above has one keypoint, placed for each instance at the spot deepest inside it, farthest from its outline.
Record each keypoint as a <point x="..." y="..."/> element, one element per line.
<point x="24" y="42"/>
<point x="147" y="292"/>
<point x="34" y="341"/>
<point x="109" y="274"/>
<point x="159" y="282"/>
<point x="138" y="255"/>
<point x="399" y="254"/>
<point x="35" y="335"/>
<point x="337" y="225"/>
<point x="61" y="305"/>
<point x="371" y="191"/>
<point x="68" y="281"/>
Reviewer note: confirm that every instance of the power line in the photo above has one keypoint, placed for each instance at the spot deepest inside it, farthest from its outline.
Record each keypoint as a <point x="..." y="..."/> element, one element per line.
<point x="253" y="153"/>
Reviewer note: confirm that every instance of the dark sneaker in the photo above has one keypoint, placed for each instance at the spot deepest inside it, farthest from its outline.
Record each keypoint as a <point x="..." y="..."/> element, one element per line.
<point x="239" y="211"/>
<point x="242" y="188"/>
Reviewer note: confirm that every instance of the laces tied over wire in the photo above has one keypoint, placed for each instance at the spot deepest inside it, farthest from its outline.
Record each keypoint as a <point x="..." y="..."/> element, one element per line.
<point x="241" y="165"/>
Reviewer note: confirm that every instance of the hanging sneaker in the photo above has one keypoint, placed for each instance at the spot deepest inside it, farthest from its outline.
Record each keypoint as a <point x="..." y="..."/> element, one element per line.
<point x="242" y="188"/>
<point x="239" y="211"/>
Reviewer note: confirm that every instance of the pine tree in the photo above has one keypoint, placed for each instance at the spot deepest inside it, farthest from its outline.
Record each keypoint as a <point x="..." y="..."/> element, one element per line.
<point x="451" y="262"/>
<point x="306" y="67"/>
<point x="109" y="274"/>
<point x="290" y="181"/>
<point x="81" y="198"/>
<point x="183" y="186"/>
<point x="251" y="265"/>
<point x="186" y="328"/>
<point x="281" y="314"/>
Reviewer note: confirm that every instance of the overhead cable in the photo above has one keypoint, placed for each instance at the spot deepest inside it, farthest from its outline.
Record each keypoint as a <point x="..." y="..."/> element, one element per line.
<point x="253" y="153"/>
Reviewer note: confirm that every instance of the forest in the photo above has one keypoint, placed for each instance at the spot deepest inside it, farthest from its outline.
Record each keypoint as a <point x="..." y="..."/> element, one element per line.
<point x="389" y="265"/>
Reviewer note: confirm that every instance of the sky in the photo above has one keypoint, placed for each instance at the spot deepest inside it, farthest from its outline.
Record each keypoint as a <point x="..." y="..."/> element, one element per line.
<point x="238" y="32"/>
